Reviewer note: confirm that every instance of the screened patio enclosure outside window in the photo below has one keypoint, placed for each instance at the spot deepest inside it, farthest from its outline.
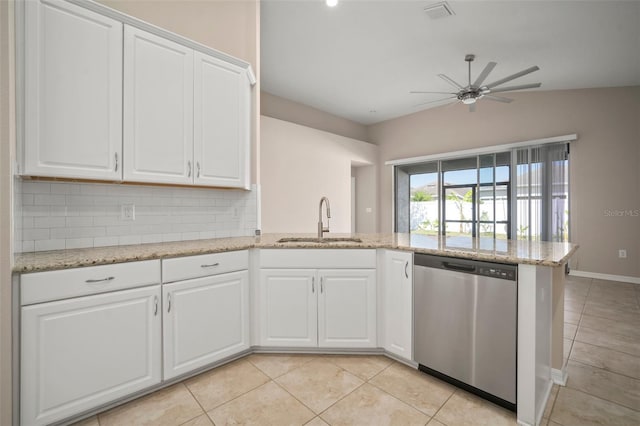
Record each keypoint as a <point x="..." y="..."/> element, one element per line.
<point x="521" y="193"/>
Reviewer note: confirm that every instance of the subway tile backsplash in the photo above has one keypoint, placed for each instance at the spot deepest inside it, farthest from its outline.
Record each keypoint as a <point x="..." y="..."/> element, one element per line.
<point x="59" y="215"/>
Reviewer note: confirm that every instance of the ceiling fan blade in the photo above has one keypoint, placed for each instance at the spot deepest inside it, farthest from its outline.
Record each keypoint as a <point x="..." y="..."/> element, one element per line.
<point x="472" y="107"/>
<point x="437" y="100"/>
<point x="450" y="81"/>
<point x="497" y="99"/>
<point x="510" y="88"/>
<point x="437" y="93"/>
<point x="512" y="77"/>
<point x="484" y="74"/>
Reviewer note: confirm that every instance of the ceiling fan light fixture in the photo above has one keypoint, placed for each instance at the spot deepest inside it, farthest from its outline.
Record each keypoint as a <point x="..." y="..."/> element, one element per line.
<point x="468" y="98"/>
<point x="331" y="3"/>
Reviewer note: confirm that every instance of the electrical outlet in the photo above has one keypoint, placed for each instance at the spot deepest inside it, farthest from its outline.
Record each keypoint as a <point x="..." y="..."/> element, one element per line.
<point x="622" y="254"/>
<point x="128" y="212"/>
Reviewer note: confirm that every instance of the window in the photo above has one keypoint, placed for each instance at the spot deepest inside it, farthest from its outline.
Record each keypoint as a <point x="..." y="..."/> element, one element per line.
<point x="521" y="193"/>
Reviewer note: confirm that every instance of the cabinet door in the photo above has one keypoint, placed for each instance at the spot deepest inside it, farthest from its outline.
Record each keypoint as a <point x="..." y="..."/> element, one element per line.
<point x="398" y="307"/>
<point x="73" y="92"/>
<point x="79" y="353"/>
<point x="205" y="320"/>
<point x="288" y="308"/>
<point x="158" y="109"/>
<point x="347" y="308"/>
<point x="221" y="123"/>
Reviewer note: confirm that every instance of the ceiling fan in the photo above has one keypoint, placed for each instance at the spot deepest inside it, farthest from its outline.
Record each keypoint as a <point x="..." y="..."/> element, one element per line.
<point x="471" y="93"/>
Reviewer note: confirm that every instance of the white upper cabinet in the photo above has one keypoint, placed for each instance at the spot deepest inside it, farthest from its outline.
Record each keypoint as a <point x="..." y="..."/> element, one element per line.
<point x="221" y="123"/>
<point x="73" y="92"/>
<point x="110" y="101"/>
<point x="158" y="109"/>
<point x="398" y="297"/>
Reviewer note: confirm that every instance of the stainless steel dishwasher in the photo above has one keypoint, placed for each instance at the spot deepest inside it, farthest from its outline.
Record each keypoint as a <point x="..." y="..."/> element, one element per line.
<point x="465" y="324"/>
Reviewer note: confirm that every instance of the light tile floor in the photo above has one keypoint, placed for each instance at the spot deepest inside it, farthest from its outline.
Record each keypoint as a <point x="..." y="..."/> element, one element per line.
<point x="602" y="343"/>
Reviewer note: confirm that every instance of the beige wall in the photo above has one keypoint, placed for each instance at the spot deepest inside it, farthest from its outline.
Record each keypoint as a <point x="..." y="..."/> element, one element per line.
<point x="231" y="26"/>
<point x="604" y="167"/>
<point x="366" y="199"/>
<point x="300" y="165"/>
<point x="7" y="144"/>
<point x="285" y="109"/>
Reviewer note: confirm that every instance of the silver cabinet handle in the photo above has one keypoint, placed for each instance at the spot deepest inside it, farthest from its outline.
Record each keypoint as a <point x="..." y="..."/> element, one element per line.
<point x="100" y="280"/>
<point x="116" y="169"/>
<point x="321" y="284"/>
<point x="211" y="265"/>
<point x="168" y="302"/>
<point x="313" y="284"/>
<point x="406" y="265"/>
<point x="155" y="302"/>
<point x="189" y="166"/>
<point x="198" y="169"/>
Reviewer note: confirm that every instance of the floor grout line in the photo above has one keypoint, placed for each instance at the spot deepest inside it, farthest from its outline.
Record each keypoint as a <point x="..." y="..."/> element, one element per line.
<point x="408" y="403"/>
<point x="604" y="369"/>
<point x="232" y="399"/>
<point x="605" y="347"/>
<point x="310" y="356"/>
<point x="303" y="404"/>
<point x="600" y="398"/>
<point x="197" y="402"/>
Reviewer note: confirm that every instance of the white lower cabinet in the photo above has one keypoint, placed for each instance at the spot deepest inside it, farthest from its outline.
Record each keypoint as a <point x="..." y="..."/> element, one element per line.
<point x="347" y="308"/>
<point x="397" y="303"/>
<point x="205" y="320"/>
<point x="318" y="308"/>
<point x="80" y="353"/>
<point x="288" y="308"/>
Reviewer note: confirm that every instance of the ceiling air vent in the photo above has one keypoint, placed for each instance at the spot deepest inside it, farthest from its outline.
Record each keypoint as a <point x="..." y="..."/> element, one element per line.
<point x="439" y="10"/>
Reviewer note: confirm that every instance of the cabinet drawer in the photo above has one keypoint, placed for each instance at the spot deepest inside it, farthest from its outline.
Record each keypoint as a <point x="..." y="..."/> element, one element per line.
<point x="184" y="268"/>
<point x="54" y="285"/>
<point x="319" y="258"/>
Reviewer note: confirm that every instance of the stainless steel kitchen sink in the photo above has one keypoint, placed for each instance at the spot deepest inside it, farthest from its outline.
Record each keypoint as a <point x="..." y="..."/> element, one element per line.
<point x="324" y="240"/>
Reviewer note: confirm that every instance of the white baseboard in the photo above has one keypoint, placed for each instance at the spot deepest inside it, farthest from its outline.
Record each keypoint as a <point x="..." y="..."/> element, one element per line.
<point x="608" y="277"/>
<point x="559" y="377"/>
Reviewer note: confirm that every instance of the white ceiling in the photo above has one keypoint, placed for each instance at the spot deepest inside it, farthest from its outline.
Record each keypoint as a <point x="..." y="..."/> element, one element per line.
<point x="367" y="55"/>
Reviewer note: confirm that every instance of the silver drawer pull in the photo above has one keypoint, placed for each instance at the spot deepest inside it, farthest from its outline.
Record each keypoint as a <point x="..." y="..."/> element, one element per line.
<point x="211" y="265"/>
<point x="100" y="280"/>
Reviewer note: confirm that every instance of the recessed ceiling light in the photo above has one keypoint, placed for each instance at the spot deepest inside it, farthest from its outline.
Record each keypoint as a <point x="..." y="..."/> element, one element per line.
<point x="331" y="3"/>
<point x="439" y="10"/>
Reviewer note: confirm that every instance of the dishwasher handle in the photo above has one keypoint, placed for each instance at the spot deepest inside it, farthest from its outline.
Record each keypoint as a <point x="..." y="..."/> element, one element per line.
<point x="458" y="267"/>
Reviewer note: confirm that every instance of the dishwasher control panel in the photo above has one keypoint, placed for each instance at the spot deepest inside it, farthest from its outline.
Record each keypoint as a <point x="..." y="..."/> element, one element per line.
<point x="468" y="266"/>
<point x="497" y="272"/>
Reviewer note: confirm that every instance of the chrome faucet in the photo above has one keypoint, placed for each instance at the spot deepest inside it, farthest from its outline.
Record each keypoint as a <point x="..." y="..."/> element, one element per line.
<point x="321" y="228"/>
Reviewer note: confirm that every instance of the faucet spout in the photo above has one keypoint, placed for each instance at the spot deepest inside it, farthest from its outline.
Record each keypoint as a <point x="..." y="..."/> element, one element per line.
<point x="321" y="228"/>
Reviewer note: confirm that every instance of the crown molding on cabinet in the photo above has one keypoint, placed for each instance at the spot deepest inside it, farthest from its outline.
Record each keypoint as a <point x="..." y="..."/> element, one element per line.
<point x="138" y="23"/>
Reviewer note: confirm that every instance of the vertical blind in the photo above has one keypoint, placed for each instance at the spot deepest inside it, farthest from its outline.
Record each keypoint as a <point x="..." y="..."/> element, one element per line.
<point x="540" y="196"/>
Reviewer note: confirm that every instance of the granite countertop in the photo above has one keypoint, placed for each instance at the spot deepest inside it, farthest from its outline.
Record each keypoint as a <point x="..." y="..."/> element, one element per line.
<point x="503" y="251"/>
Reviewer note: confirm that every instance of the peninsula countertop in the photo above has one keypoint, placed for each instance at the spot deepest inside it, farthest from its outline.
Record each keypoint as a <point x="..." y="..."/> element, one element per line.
<point x="502" y="251"/>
